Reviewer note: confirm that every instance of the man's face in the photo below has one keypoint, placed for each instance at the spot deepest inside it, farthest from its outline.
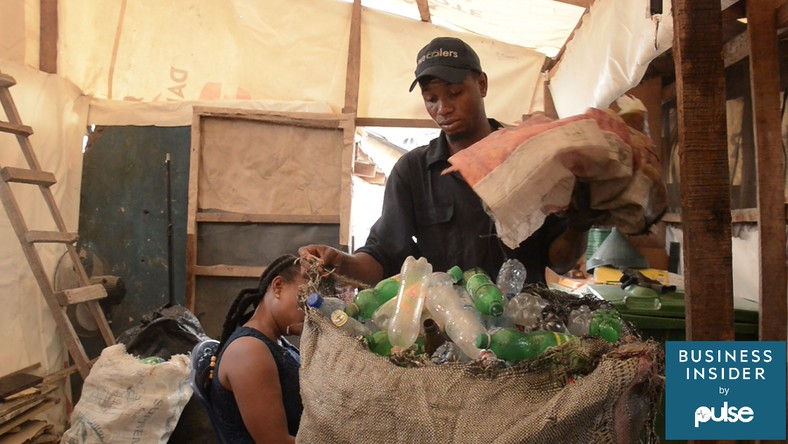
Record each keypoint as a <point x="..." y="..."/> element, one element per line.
<point x="457" y="108"/>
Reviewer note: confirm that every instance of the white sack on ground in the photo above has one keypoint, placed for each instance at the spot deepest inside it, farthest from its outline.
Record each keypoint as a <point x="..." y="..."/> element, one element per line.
<point x="126" y="400"/>
<point x="524" y="173"/>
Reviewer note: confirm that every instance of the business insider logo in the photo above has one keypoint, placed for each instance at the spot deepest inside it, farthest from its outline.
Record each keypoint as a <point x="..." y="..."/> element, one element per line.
<point x="725" y="390"/>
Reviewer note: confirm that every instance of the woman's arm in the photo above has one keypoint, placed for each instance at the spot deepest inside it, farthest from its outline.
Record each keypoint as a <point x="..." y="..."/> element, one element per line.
<point x="249" y="371"/>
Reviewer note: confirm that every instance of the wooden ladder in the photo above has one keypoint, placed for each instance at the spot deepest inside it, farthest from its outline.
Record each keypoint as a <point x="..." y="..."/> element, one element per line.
<point x="85" y="293"/>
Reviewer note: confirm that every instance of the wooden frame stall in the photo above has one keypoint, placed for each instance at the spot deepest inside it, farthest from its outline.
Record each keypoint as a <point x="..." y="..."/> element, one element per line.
<point x="250" y="167"/>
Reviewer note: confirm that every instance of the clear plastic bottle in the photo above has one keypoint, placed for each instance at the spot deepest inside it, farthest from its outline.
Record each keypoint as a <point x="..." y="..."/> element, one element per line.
<point x="525" y="309"/>
<point x="326" y="305"/>
<point x="579" y="321"/>
<point x="448" y="352"/>
<point x="467" y="304"/>
<point x="350" y="325"/>
<point x="446" y="308"/>
<point x="486" y="296"/>
<point x="383" y="314"/>
<point x="511" y="278"/>
<point x="405" y="324"/>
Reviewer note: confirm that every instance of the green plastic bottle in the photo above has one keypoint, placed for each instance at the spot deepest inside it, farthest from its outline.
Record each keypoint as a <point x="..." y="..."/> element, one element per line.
<point x="605" y="324"/>
<point x="379" y="343"/>
<point x="389" y="287"/>
<point x="486" y="296"/>
<point x="365" y="303"/>
<point x="513" y="345"/>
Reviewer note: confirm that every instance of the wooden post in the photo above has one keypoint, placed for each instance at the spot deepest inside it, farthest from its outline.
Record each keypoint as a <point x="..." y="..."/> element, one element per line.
<point x="769" y="165"/>
<point x="703" y="154"/>
<point x="47" y="50"/>
<point x="353" y="61"/>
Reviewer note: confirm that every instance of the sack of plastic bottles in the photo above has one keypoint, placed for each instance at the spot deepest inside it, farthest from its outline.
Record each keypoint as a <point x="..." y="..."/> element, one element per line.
<point x="601" y="391"/>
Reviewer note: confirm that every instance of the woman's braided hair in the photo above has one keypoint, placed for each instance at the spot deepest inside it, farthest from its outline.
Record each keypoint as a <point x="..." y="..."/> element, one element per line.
<point x="286" y="266"/>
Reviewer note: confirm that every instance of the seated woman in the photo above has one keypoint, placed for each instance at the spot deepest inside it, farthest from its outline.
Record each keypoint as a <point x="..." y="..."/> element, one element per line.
<point x="254" y="388"/>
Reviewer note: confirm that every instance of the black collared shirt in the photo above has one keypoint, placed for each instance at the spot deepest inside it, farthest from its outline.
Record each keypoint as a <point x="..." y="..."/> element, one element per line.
<point x="442" y="219"/>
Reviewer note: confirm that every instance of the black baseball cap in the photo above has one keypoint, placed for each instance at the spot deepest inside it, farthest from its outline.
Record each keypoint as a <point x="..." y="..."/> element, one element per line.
<point x="446" y="58"/>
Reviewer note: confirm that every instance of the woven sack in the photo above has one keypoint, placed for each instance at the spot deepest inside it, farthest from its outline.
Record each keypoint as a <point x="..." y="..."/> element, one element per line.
<point x="127" y="401"/>
<point x="587" y="391"/>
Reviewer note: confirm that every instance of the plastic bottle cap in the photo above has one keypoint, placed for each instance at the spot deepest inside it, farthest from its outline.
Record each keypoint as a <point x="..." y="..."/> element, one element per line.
<point x="339" y="318"/>
<point x="352" y="310"/>
<point x="496" y="309"/>
<point x="487" y="355"/>
<point x="483" y="341"/>
<point x="314" y="300"/>
<point x="456" y="274"/>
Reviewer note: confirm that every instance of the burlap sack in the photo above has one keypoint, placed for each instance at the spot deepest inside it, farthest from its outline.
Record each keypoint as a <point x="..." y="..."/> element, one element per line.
<point x="590" y="392"/>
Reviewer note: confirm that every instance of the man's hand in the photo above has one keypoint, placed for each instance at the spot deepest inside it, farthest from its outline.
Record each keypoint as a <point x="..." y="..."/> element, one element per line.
<point x="328" y="257"/>
<point x="580" y="216"/>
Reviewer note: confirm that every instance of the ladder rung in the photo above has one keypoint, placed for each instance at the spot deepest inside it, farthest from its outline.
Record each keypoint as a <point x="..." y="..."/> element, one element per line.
<point x="21" y="175"/>
<point x="13" y="128"/>
<point x="57" y="237"/>
<point x="6" y="81"/>
<point x="80" y="294"/>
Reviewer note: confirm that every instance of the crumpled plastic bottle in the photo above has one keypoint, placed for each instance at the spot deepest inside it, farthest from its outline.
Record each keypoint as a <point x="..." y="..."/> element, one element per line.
<point x="511" y="278"/>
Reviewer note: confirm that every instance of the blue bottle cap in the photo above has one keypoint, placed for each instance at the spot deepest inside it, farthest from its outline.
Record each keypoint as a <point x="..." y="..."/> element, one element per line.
<point x="314" y="300"/>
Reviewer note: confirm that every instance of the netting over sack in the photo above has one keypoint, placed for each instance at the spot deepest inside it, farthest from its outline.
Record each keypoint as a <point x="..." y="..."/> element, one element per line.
<point x="586" y="391"/>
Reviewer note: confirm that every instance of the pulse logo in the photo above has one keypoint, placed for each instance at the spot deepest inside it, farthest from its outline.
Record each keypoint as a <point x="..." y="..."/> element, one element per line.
<point x="727" y="414"/>
<point x="725" y="390"/>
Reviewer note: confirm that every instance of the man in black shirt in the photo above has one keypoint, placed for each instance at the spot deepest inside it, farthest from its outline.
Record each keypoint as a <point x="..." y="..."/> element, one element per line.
<point x="440" y="217"/>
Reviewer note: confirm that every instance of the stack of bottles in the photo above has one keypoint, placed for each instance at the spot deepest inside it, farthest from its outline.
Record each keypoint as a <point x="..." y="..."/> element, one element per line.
<point x="461" y="315"/>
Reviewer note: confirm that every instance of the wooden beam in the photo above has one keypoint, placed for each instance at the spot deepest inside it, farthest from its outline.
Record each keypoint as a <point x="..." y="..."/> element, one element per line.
<point x="267" y="218"/>
<point x="47" y="51"/>
<point x="229" y="271"/>
<point x="353" y="74"/>
<point x="424" y="10"/>
<point x="736" y="49"/>
<point x="395" y="123"/>
<point x="769" y="167"/>
<point x="703" y="154"/>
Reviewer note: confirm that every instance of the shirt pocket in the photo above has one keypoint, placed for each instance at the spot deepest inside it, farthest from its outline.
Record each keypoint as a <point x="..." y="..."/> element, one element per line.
<point x="434" y="215"/>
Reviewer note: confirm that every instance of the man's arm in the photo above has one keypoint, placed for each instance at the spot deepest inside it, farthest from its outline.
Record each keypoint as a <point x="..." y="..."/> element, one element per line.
<point x="566" y="250"/>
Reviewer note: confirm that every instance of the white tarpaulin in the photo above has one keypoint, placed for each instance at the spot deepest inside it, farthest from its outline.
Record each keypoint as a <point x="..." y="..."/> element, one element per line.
<point x="609" y="54"/>
<point x="57" y="112"/>
<point x="542" y="25"/>
<point x="278" y="50"/>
